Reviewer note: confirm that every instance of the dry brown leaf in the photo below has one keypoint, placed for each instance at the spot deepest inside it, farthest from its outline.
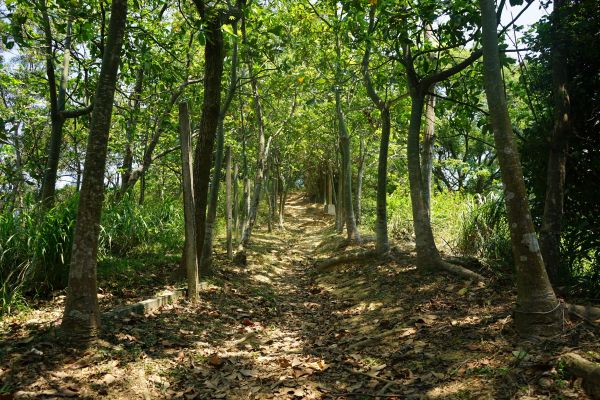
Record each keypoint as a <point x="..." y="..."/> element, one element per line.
<point x="215" y="361"/>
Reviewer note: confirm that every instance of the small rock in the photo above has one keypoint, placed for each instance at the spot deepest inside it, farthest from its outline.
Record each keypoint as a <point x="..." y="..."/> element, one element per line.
<point x="108" y="379"/>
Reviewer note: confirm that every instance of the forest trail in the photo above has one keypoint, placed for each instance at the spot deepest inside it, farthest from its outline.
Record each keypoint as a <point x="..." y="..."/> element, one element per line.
<point x="277" y="329"/>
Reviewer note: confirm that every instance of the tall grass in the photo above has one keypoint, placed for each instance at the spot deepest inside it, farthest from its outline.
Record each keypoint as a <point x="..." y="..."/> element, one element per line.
<point x="35" y="251"/>
<point x="35" y="247"/>
<point x="484" y="232"/>
<point x="447" y="209"/>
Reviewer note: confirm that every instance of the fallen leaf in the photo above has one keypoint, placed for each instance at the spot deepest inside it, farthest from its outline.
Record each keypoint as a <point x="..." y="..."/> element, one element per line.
<point x="215" y="361"/>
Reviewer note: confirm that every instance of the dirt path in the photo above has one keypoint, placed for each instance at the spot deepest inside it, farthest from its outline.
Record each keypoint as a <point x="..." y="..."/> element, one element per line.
<point x="275" y="329"/>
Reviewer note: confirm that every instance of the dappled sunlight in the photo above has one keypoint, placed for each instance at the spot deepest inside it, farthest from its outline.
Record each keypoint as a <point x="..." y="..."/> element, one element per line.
<point x="277" y="328"/>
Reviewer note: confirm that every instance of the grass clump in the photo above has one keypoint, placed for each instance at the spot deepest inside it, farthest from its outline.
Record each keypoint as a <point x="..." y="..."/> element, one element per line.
<point x="484" y="232"/>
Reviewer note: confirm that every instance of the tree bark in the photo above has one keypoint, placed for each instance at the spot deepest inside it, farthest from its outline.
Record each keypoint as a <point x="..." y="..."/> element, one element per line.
<point x="339" y="207"/>
<point x="213" y="69"/>
<point x="191" y="260"/>
<point x="131" y="130"/>
<point x="261" y="161"/>
<point x="228" y="201"/>
<point x="359" y="179"/>
<point x="206" y="258"/>
<point x="557" y="157"/>
<point x="58" y="114"/>
<point x="537" y="312"/>
<point x="427" y="252"/>
<point x="346" y="168"/>
<point x="382" y="244"/>
<point x="57" y="105"/>
<point x="428" y="134"/>
<point x="81" y="319"/>
<point x="427" y="150"/>
<point x="147" y="159"/>
<point x="234" y="206"/>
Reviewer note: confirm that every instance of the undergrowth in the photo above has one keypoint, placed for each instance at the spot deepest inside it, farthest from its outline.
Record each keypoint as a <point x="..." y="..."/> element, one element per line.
<point x="35" y="247"/>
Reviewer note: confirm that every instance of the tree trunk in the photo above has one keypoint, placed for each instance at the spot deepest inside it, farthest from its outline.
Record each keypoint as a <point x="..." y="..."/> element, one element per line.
<point x="81" y="318"/>
<point x="57" y="105"/>
<point x="131" y="130"/>
<point x="428" y="133"/>
<point x="346" y="168"/>
<point x="147" y="159"/>
<point x="190" y="259"/>
<point x="339" y="207"/>
<point x="213" y="69"/>
<point x="538" y="312"/>
<point x="557" y="157"/>
<point x="268" y="195"/>
<point x="228" y="201"/>
<point x="382" y="244"/>
<point x="211" y="215"/>
<point x="282" y="195"/>
<point x="427" y="150"/>
<point x="427" y="252"/>
<point x="359" y="179"/>
<point x="234" y="206"/>
<point x="260" y="168"/>
<point x="206" y="258"/>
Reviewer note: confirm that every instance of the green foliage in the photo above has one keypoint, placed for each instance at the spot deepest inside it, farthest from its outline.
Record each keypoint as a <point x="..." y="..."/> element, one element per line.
<point x="34" y="251"/>
<point x="446" y="214"/>
<point x="127" y="226"/>
<point x="484" y="232"/>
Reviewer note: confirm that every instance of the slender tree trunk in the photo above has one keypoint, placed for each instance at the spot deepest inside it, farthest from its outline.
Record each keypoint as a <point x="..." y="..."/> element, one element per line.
<point x="81" y="319"/>
<point x="151" y="142"/>
<point x="282" y="195"/>
<point x="189" y="254"/>
<point x="211" y="215"/>
<point x="339" y="209"/>
<point x="206" y="259"/>
<point x="268" y="197"/>
<point x="131" y="130"/>
<point x="427" y="252"/>
<point x="382" y="244"/>
<point x="275" y="192"/>
<point x="260" y="167"/>
<point x="228" y="201"/>
<point x="346" y="167"/>
<point x="235" y="208"/>
<point x="428" y="134"/>
<point x="427" y="150"/>
<point x="213" y="70"/>
<point x="538" y="312"/>
<point x="142" y="189"/>
<point x="57" y="105"/>
<point x="559" y="145"/>
<point x="359" y="180"/>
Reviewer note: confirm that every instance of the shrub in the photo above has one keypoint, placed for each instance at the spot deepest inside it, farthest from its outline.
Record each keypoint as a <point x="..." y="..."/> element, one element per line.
<point x="484" y="232"/>
<point x="35" y="251"/>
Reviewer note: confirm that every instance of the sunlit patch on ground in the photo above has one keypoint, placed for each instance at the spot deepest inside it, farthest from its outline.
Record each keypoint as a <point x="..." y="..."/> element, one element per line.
<point x="276" y="329"/>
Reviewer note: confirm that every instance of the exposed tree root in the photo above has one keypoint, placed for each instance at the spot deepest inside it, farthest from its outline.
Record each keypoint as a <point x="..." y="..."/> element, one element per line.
<point x="460" y="271"/>
<point x="587" y="370"/>
<point x="399" y="255"/>
<point x="587" y="313"/>
<point x="361" y="256"/>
